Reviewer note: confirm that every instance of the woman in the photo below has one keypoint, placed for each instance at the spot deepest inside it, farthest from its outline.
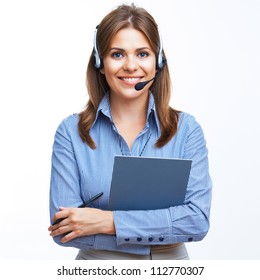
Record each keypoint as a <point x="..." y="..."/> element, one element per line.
<point x="126" y="117"/>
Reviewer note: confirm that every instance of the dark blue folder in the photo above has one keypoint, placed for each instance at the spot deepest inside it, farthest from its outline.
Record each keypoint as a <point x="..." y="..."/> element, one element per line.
<point x="142" y="183"/>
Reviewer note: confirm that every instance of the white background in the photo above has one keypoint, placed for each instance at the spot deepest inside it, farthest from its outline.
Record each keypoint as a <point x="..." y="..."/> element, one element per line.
<point x="212" y="49"/>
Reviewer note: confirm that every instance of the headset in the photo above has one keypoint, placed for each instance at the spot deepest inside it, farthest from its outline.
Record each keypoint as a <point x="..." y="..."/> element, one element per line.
<point x="98" y="63"/>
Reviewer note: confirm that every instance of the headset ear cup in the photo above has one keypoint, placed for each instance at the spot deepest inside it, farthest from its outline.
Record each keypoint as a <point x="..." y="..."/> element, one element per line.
<point x="164" y="61"/>
<point x="96" y="60"/>
<point x="160" y="61"/>
<point x="101" y="64"/>
<point x="98" y="63"/>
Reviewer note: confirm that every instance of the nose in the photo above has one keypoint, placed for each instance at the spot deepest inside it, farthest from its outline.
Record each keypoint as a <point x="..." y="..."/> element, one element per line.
<point x="131" y="64"/>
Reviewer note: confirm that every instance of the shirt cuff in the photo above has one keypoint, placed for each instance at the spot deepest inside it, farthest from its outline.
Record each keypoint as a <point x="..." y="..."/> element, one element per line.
<point x="150" y="227"/>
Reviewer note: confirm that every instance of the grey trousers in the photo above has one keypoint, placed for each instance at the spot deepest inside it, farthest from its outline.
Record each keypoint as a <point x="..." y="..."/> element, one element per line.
<point x="167" y="252"/>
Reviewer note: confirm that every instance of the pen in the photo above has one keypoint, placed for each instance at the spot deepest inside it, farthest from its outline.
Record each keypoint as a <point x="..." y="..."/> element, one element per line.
<point x="91" y="200"/>
<point x="82" y="205"/>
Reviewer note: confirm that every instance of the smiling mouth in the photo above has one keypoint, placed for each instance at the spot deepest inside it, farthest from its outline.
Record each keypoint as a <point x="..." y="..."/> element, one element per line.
<point x="130" y="80"/>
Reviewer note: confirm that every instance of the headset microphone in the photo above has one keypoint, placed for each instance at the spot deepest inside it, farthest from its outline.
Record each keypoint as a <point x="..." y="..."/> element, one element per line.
<point x="141" y="85"/>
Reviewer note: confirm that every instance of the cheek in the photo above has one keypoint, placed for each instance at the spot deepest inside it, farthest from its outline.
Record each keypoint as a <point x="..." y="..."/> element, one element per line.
<point x="109" y="70"/>
<point x="150" y="65"/>
<point x="111" y="66"/>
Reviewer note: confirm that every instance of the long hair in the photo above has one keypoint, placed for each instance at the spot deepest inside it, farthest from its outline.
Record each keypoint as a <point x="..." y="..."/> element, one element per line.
<point x="122" y="17"/>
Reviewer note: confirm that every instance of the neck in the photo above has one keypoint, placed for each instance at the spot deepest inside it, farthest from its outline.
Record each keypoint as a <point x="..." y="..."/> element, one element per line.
<point x="128" y="110"/>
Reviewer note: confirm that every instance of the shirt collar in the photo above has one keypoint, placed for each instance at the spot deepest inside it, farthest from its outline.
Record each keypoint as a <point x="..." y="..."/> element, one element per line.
<point x="104" y="108"/>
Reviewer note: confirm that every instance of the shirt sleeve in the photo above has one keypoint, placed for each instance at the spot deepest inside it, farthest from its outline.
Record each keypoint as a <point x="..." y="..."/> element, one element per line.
<point x="65" y="191"/>
<point x="65" y="182"/>
<point x="184" y="223"/>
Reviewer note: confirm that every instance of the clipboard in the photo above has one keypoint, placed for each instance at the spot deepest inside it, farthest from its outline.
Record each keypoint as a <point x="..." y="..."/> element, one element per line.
<point x="148" y="183"/>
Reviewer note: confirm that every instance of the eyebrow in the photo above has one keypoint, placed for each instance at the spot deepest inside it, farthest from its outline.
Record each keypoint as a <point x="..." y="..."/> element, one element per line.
<point x="138" y="49"/>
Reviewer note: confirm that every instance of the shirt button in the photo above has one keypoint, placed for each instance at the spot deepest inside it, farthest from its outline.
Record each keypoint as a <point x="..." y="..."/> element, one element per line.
<point x="161" y="238"/>
<point x="150" y="238"/>
<point x="190" y="239"/>
<point x="139" y="239"/>
<point x="127" y="239"/>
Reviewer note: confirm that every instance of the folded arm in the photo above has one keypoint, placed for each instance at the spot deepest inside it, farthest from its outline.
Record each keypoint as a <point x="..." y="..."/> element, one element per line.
<point x="130" y="231"/>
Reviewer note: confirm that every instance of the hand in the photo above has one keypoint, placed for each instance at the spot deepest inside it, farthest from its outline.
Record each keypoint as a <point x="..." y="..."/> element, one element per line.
<point x="82" y="221"/>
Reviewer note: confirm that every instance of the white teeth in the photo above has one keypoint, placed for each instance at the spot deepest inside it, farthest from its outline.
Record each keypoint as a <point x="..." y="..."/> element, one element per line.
<point x="130" y="80"/>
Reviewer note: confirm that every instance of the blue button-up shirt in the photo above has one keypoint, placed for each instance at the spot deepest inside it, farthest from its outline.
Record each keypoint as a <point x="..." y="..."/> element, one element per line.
<point x="78" y="173"/>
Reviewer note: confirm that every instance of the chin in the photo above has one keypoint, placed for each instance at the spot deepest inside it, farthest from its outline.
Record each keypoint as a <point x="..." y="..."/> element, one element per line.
<point x="134" y="93"/>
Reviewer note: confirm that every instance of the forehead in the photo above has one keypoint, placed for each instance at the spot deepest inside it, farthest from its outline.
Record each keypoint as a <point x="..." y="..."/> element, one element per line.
<point x="129" y="37"/>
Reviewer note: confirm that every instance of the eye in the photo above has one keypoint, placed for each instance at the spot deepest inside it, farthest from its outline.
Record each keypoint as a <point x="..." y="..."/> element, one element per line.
<point x="117" y="55"/>
<point x="143" y="54"/>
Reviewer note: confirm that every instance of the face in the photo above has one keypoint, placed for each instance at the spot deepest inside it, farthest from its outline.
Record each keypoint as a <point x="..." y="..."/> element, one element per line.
<point x="130" y="60"/>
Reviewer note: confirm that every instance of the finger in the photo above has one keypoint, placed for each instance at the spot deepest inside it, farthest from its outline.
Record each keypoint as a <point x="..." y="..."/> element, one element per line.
<point x="69" y="236"/>
<point x="53" y="227"/>
<point x="60" y="231"/>
<point x="58" y="223"/>
<point x="59" y="216"/>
